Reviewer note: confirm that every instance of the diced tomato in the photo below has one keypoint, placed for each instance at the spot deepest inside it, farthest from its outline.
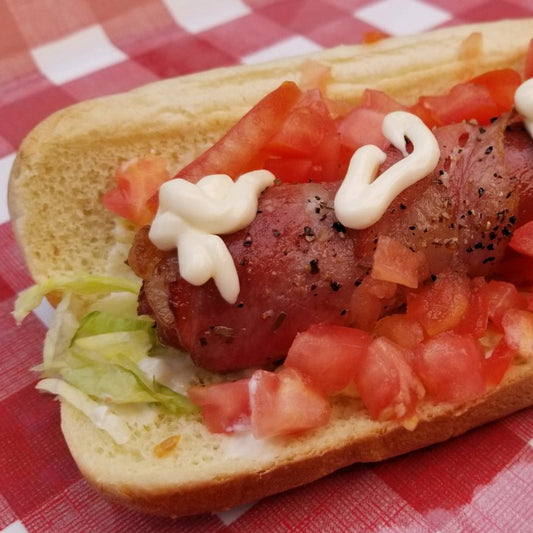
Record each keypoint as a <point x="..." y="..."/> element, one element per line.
<point x="289" y="170"/>
<point x="368" y="301"/>
<point x="442" y="305"/>
<point x="463" y="102"/>
<point x="522" y="239"/>
<point x="452" y="302"/>
<point x="476" y="320"/>
<point x="481" y="99"/>
<point x="370" y="37"/>
<point x="386" y="382"/>
<point x="502" y="85"/>
<point x="528" y="68"/>
<point x="308" y="132"/>
<point x="282" y="403"/>
<point x="239" y="150"/>
<point x="502" y="296"/>
<point x="328" y="355"/>
<point x="303" y="130"/>
<point x="396" y="263"/>
<point x="135" y="195"/>
<point x="225" y="406"/>
<point x="380" y="101"/>
<point x="497" y="362"/>
<point x="400" y="329"/>
<point x="451" y="366"/>
<point x="363" y="124"/>
<point x="518" y="330"/>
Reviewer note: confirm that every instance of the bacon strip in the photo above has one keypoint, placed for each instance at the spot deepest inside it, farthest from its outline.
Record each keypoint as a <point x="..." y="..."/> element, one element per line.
<point x="299" y="266"/>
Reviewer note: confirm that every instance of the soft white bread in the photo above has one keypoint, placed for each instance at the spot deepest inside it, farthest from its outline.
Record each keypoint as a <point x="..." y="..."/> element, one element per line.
<point x="66" y="163"/>
<point x="209" y="472"/>
<point x="73" y="154"/>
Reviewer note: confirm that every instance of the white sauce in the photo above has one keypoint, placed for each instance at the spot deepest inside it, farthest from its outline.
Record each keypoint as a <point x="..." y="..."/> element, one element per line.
<point x="176" y="372"/>
<point x="192" y="216"/>
<point x="244" y="445"/>
<point x="523" y="99"/>
<point x="362" y="198"/>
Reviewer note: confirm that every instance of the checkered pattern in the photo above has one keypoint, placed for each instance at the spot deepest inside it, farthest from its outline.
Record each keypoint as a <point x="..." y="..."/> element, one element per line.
<point x="57" y="52"/>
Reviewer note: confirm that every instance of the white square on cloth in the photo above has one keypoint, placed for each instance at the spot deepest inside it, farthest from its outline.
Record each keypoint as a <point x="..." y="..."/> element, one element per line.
<point x="288" y="47"/>
<point x="202" y="15"/>
<point x="402" y="17"/>
<point x="77" y="55"/>
<point x="15" y="527"/>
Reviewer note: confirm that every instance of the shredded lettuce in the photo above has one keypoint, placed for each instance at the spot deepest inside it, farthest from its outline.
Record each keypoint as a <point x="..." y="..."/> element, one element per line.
<point x="91" y="354"/>
<point x="101" y="322"/>
<point x="100" y="415"/>
<point x="82" y="284"/>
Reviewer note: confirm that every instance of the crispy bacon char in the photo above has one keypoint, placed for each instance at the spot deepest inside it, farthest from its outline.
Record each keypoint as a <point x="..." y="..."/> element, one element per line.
<point x="298" y="265"/>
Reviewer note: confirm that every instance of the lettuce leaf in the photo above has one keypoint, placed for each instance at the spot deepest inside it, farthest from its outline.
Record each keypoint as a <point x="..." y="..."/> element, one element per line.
<point x="30" y="298"/>
<point x="91" y="354"/>
<point x="100" y="415"/>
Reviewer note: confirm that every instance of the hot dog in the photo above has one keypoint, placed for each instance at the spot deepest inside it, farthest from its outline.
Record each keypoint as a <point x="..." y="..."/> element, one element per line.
<point x="351" y="432"/>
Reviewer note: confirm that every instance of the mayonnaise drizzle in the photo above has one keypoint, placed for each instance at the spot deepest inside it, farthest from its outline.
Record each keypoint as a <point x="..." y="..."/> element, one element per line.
<point x="362" y="198"/>
<point x="523" y="99"/>
<point x="192" y="216"/>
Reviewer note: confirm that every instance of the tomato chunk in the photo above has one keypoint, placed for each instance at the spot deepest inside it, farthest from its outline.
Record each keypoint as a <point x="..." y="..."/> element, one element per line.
<point x="309" y="134"/>
<point x="225" y="406"/>
<point x="497" y="362"/>
<point x="135" y="195"/>
<point x="442" y="305"/>
<point x="328" y="355"/>
<point x="476" y="320"/>
<point x="522" y="239"/>
<point x="386" y="382"/>
<point x="282" y="403"/>
<point x="374" y="36"/>
<point x="481" y="99"/>
<point x="239" y="150"/>
<point x="518" y="330"/>
<point x="362" y="125"/>
<point x="368" y="301"/>
<point x="451" y="366"/>
<point x="400" y="329"/>
<point x="304" y="129"/>
<point x="502" y="296"/>
<point x="397" y="263"/>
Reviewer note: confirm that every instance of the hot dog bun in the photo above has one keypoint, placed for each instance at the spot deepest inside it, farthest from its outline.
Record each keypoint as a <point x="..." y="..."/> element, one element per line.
<point x="72" y="155"/>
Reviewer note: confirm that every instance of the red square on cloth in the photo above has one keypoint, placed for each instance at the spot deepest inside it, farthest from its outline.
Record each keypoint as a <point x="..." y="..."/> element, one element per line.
<point x="32" y="465"/>
<point x="302" y="16"/>
<point x="137" y="25"/>
<point x="447" y="476"/>
<point x="182" y="54"/>
<point x="485" y="10"/>
<point x="345" y="31"/>
<point x="20" y="116"/>
<point x="116" y="78"/>
<point x="261" y="33"/>
<point x="42" y="21"/>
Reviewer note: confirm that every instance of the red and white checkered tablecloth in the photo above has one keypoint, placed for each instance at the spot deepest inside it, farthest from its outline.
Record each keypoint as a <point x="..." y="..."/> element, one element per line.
<point x="57" y="52"/>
